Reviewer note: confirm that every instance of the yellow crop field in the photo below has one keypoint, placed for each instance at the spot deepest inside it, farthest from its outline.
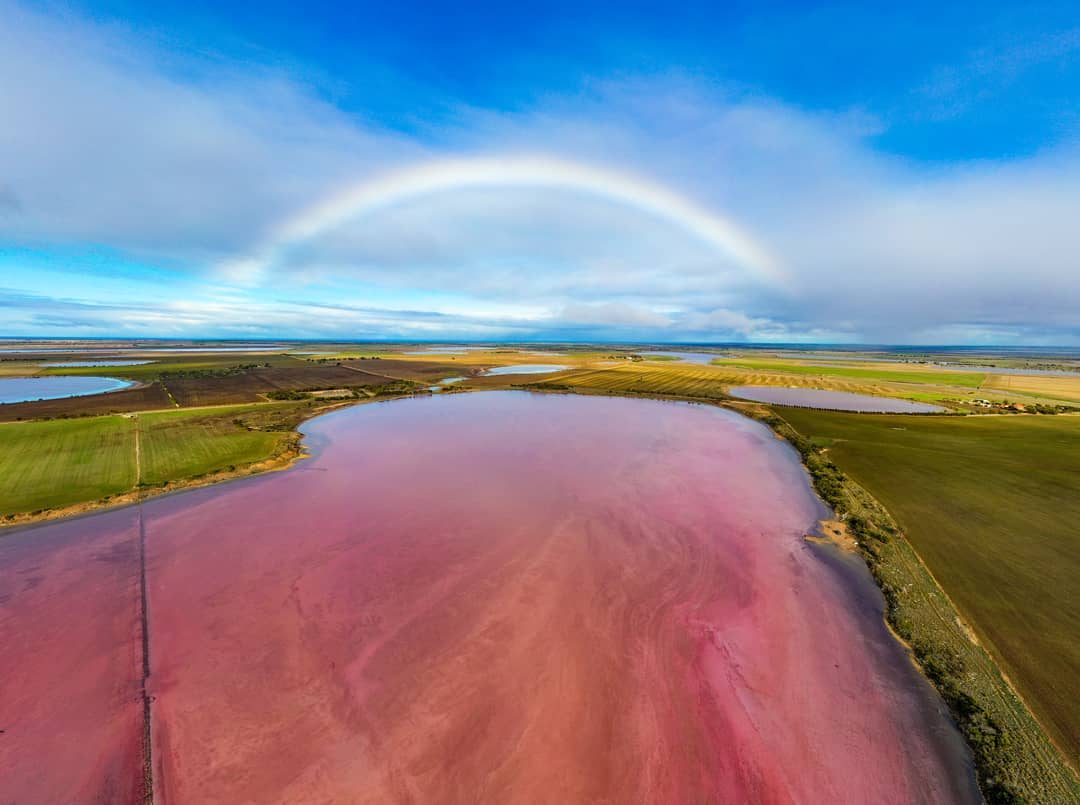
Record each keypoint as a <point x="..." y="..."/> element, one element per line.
<point x="1053" y="386"/>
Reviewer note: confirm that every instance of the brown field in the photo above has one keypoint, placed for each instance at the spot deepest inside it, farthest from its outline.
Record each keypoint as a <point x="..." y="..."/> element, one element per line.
<point x="142" y="398"/>
<point x="251" y="385"/>
<point x="425" y="371"/>
<point x="1060" y="388"/>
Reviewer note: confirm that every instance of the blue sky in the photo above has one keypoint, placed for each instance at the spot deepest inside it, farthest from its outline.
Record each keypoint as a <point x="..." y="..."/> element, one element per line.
<point x="912" y="172"/>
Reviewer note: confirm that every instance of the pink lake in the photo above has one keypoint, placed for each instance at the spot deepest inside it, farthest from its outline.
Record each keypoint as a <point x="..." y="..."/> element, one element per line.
<point x="492" y="597"/>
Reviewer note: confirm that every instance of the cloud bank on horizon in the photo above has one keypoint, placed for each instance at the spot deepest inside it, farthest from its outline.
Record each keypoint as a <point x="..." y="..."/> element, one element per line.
<point x="158" y="180"/>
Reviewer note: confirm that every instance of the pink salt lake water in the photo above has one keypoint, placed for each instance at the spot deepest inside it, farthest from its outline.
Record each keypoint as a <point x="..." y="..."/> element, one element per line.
<point x="497" y="597"/>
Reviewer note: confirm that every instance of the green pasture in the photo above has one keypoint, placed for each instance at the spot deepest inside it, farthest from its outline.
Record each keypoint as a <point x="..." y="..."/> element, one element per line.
<point x="185" y="444"/>
<point x="56" y="463"/>
<point x="992" y="505"/>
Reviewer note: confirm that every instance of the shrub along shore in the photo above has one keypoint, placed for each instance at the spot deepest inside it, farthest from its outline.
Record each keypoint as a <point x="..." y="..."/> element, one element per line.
<point x="1015" y="760"/>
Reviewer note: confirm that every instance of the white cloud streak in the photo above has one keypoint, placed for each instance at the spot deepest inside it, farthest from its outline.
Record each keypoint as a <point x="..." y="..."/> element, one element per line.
<point x="107" y="142"/>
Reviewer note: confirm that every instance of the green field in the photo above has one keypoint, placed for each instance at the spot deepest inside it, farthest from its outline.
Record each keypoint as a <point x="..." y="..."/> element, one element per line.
<point x="56" y="463"/>
<point x="49" y="464"/>
<point x="185" y="444"/>
<point x="992" y="505"/>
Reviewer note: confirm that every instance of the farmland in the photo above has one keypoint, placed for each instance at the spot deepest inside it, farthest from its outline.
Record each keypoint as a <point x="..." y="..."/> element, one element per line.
<point x="912" y="382"/>
<point x="1051" y="387"/>
<point x="193" y="416"/>
<point x="50" y="464"/>
<point x="202" y="380"/>
<point x="140" y="398"/>
<point x="59" y="463"/>
<point x="886" y="372"/>
<point x="709" y="382"/>
<point x="248" y="385"/>
<point x="185" y="444"/>
<point x="991" y="505"/>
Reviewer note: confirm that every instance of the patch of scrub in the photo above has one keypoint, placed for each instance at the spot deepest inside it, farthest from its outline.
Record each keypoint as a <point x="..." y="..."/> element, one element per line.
<point x="831" y="400"/>
<point x="55" y="387"/>
<point x="445" y="382"/>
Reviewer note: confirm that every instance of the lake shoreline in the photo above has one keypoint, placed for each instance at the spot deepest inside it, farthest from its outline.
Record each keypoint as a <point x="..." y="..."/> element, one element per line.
<point x="128" y="385"/>
<point x="989" y="768"/>
<point x="886" y="697"/>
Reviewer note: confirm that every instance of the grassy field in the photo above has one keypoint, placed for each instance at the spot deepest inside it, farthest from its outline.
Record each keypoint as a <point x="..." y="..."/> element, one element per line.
<point x="57" y="463"/>
<point x="48" y="464"/>
<point x="185" y="444"/>
<point x="1047" y="386"/>
<point x="991" y="504"/>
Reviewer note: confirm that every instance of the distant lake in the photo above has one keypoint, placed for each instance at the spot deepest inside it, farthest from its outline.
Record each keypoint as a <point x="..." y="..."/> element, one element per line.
<point x="689" y="357"/>
<point x="527" y="369"/>
<point x="446" y="381"/>
<point x="66" y="364"/>
<point x="35" y="350"/>
<point x="54" y="387"/>
<point x="831" y="400"/>
<point x="259" y="349"/>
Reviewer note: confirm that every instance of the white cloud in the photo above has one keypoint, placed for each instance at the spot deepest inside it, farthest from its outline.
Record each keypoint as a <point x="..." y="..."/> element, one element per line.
<point x="109" y="141"/>
<point x="106" y="141"/>
<point x="611" y="316"/>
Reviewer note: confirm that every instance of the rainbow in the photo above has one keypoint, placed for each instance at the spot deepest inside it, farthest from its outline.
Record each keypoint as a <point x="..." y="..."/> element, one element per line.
<point x="447" y="175"/>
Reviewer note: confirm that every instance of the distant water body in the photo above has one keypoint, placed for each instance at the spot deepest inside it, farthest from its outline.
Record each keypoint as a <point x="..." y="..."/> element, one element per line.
<point x="527" y="369"/>
<point x="831" y="400"/>
<point x="55" y="387"/>
<point x="689" y="357"/>
<point x="71" y="364"/>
